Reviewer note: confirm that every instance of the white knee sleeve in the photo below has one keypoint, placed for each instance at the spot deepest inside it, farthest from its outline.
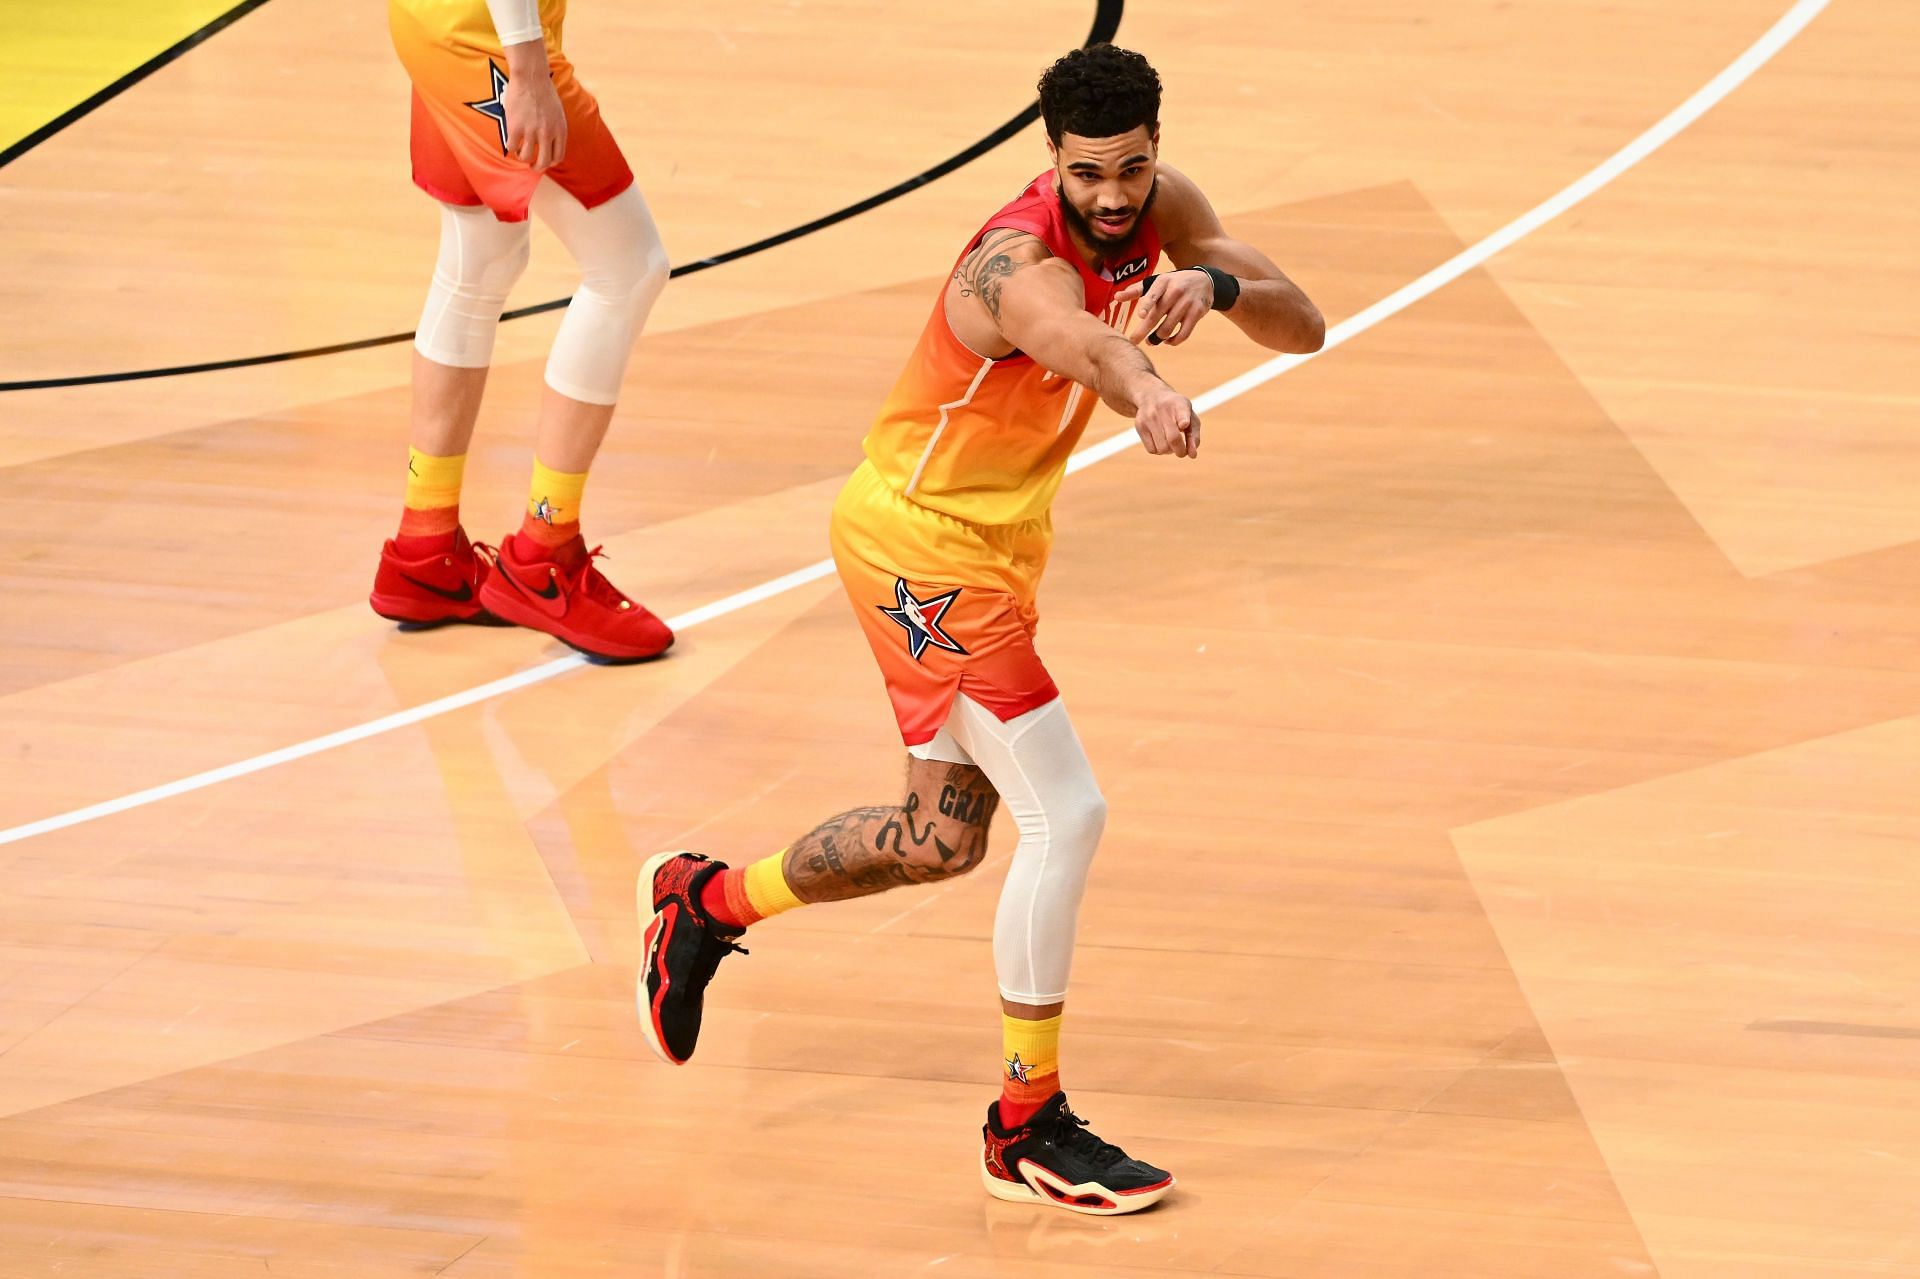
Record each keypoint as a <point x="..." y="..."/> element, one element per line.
<point x="1036" y="763"/>
<point x="480" y="258"/>
<point x="623" y="268"/>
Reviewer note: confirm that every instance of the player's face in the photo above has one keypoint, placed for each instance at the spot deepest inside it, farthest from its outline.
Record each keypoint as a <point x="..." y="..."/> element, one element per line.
<point x="1106" y="184"/>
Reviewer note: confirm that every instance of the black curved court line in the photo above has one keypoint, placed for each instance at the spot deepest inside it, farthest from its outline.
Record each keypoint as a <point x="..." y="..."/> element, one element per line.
<point x="1106" y="21"/>
<point x="127" y="81"/>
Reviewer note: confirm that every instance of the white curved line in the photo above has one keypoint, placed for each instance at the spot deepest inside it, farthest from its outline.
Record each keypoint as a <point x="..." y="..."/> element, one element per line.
<point x="1789" y="25"/>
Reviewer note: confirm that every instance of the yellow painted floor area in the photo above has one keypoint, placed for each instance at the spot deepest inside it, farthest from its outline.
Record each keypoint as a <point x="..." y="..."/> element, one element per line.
<point x="64" y="53"/>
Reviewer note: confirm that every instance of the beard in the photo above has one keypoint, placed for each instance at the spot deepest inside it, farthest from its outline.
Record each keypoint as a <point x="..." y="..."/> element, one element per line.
<point x="1099" y="239"/>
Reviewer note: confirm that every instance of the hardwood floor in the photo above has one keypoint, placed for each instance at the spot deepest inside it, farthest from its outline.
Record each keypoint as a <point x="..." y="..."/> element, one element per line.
<point x="1509" y="724"/>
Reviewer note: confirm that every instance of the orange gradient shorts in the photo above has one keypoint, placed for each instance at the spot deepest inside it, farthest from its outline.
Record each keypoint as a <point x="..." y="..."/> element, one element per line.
<point x="459" y="129"/>
<point x="947" y="606"/>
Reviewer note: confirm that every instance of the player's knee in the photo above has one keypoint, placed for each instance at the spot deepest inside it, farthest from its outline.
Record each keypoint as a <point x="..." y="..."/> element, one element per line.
<point x="963" y="847"/>
<point x="484" y="276"/>
<point x="939" y="849"/>
<point x="656" y="269"/>
<point x="511" y="266"/>
<point x="631" y="267"/>
<point x="939" y="839"/>
<point x="1076" y="820"/>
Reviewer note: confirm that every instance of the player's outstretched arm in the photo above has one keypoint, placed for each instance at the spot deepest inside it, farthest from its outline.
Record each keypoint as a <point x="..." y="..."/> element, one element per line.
<point x="536" y="122"/>
<point x="1038" y="306"/>
<point x="1258" y="296"/>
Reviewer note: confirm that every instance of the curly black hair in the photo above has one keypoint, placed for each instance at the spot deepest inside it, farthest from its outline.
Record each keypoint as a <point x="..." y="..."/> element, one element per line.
<point x="1098" y="91"/>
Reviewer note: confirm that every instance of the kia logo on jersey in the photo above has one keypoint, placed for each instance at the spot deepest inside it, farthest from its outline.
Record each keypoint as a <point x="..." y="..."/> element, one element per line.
<point x="1132" y="268"/>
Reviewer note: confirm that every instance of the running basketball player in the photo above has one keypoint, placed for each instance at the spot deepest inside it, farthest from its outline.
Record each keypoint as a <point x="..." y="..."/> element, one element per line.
<point x="940" y="538"/>
<point x="500" y="126"/>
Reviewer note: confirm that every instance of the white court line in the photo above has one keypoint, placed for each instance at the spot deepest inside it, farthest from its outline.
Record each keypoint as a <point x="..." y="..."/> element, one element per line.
<point x="1790" y="25"/>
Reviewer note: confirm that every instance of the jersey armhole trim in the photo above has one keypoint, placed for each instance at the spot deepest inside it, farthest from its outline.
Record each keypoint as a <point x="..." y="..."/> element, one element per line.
<point x="940" y="428"/>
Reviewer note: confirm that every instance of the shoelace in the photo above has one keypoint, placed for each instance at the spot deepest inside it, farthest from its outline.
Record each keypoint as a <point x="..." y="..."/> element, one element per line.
<point x="709" y="927"/>
<point x="713" y="949"/>
<point x="484" y="553"/>
<point x="598" y="588"/>
<point x="1071" y="1133"/>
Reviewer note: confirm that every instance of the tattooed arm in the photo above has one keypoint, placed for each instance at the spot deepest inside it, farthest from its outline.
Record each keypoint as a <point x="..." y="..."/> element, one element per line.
<point x="939" y="830"/>
<point x="1012" y="294"/>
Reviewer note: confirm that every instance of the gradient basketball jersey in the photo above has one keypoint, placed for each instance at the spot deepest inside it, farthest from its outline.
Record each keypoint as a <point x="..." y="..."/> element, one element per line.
<point x="984" y="440"/>
<point x="468" y="23"/>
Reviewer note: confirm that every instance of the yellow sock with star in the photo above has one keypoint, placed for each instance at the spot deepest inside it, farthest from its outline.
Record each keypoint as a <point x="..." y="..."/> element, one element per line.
<point x="553" y="507"/>
<point x="1029" y="1067"/>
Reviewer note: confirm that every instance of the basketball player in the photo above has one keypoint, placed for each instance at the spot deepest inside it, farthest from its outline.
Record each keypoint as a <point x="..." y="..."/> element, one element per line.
<point x="501" y="126"/>
<point x="940" y="538"/>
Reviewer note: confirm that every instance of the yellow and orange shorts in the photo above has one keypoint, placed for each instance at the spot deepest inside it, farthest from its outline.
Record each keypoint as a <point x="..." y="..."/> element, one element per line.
<point x="459" y="135"/>
<point x="947" y="605"/>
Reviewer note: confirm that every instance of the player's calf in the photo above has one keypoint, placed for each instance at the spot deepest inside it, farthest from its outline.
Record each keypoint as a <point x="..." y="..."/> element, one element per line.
<point x="693" y="909"/>
<point x="937" y="831"/>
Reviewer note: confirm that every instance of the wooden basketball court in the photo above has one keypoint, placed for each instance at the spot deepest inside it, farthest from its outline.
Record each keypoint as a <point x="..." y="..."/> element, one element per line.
<point x="1510" y="724"/>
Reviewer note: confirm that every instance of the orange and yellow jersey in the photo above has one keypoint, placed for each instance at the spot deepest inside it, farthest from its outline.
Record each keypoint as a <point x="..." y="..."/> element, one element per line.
<point x="986" y="440"/>
<point x="469" y="24"/>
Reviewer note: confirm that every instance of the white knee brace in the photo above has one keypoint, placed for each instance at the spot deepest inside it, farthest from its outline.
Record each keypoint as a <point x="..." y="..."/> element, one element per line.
<point x="480" y="258"/>
<point x="623" y="268"/>
<point x="1037" y="764"/>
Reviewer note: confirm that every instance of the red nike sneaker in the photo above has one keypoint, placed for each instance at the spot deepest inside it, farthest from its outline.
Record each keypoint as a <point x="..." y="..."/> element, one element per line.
<point x="577" y="606"/>
<point x="442" y="587"/>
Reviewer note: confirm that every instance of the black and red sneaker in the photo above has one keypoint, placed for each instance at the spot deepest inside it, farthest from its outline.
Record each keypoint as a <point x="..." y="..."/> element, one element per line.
<point x="680" y="947"/>
<point x="1054" y="1159"/>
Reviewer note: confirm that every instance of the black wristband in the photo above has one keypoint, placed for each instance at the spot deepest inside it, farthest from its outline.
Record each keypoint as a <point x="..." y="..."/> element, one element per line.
<point x="1226" y="288"/>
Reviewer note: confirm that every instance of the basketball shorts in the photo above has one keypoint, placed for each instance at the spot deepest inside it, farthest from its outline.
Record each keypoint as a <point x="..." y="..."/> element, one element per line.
<point x="459" y="137"/>
<point x="947" y="606"/>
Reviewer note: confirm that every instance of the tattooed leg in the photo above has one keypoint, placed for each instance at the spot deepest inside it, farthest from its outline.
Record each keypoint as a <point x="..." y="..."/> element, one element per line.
<point x="939" y="830"/>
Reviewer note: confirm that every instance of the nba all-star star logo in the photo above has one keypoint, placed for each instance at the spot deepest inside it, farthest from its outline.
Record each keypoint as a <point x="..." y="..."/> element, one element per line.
<point x="495" y="108"/>
<point x="1018" y="1070"/>
<point x="543" y="512"/>
<point x="921" y="619"/>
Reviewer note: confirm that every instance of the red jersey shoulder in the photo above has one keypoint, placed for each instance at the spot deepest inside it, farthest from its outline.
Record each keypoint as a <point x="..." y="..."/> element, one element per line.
<point x="1036" y="210"/>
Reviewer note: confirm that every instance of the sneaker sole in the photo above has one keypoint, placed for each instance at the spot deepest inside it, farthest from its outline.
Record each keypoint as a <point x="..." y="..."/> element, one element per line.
<point x="1118" y="1202"/>
<point x="502" y="604"/>
<point x="650" y="928"/>
<point x="396" y="608"/>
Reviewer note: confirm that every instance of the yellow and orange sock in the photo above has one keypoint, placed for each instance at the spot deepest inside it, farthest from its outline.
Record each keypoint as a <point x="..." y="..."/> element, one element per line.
<point x="432" y="513"/>
<point x="740" y="897"/>
<point x="1029" y="1066"/>
<point x="553" y="508"/>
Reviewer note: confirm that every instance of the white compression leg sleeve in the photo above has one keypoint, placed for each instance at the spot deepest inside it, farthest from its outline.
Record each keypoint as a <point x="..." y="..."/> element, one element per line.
<point x="480" y="258"/>
<point x="623" y="267"/>
<point x="1036" y="763"/>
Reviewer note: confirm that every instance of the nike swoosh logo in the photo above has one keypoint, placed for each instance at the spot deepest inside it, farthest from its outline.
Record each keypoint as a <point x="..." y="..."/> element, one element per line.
<point x="460" y="596"/>
<point x="551" y="591"/>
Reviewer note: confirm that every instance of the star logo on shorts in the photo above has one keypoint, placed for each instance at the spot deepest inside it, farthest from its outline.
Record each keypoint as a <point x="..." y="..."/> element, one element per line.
<point x="921" y="619"/>
<point x="495" y="108"/>
<point x="1018" y="1070"/>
